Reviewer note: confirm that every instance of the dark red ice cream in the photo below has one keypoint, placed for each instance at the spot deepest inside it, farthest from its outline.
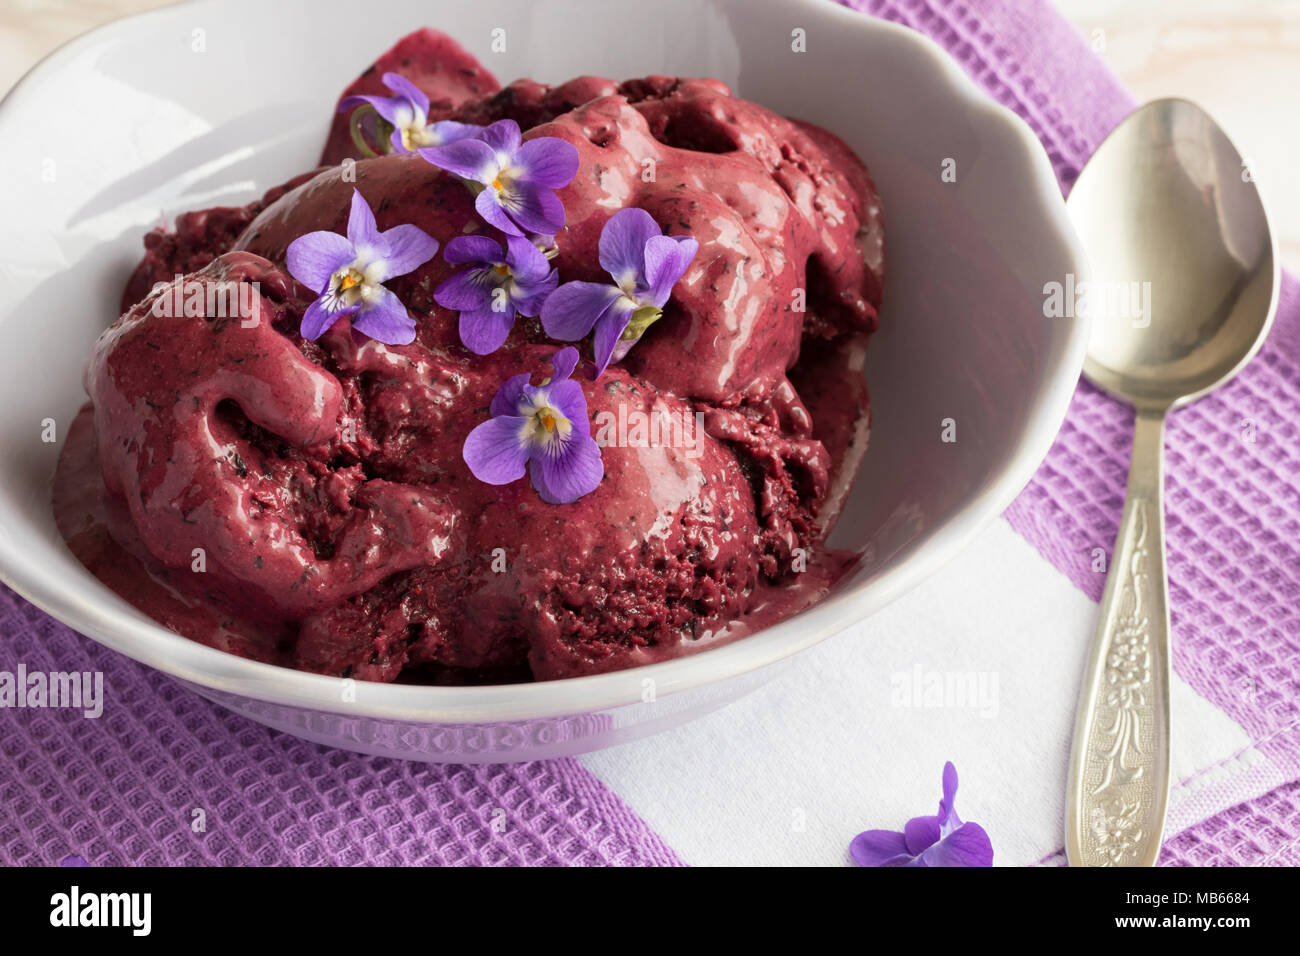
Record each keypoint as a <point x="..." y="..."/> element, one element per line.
<point x="306" y="503"/>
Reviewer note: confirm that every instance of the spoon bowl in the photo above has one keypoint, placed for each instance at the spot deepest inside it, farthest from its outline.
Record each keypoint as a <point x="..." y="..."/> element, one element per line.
<point x="1184" y="272"/>
<point x="1183" y="291"/>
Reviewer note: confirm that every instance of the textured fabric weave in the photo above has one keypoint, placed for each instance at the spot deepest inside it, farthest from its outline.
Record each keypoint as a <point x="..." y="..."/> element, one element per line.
<point x="123" y="789"/>
<point x="1261" y="832"/>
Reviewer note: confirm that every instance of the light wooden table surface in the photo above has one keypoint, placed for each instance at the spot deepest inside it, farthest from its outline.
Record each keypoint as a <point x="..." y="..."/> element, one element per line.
<point x="1240" y="59"/>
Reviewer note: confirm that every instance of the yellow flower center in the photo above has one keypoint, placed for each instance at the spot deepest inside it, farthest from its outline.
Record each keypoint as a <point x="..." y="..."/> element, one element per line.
<point x="544" y="424"/>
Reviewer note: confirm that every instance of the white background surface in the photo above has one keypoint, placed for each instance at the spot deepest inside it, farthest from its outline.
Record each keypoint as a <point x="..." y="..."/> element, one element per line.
<point x="791" y="773"/>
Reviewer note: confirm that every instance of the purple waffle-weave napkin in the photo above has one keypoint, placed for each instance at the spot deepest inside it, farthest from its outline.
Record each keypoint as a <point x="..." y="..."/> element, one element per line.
<point x="124" y="788"/>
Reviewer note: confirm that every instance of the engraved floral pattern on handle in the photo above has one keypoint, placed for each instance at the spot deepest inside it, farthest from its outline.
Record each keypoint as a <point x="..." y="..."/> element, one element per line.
<point x="1124" y="724"/>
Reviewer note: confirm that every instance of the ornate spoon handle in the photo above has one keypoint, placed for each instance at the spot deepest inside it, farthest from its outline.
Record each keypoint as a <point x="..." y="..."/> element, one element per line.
<point x="1119" y="763"/>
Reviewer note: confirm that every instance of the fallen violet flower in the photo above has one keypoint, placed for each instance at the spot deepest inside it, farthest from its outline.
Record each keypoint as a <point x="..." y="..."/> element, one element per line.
<point x="941" y="840"/>
<point x="644" y="264"/>
<point x="495" y="288"/>
<point x="515" y="180"/>
<point x="348" y="274"/>
<point x="408" y="115"/>
<point x="544" y="427"/>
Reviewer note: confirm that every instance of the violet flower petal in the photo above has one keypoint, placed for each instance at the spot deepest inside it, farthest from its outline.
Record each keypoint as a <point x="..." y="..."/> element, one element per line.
<point x="666" y="261"/>
<point x="490" y="209"/>
<point x="494" y="452"/>
<point x="394" y="109"/>
<point x="467" y="158"/>
<point x="506" y="401"/>
<point x="532" y="298"/>
<point x="879" y="848"/>
<point x="484" y="330"/>
<point x="564" y="478"/>
<point x="355" y="100"/>
<point x="407" y="90"/>
<point x="449" y="131"/>
<point x="608" y="330"/>
<point x="314" y="258"/>
<point x="947" y="818"/>
<point x="385" y="319"/>
<point x="362" y="231"/>
<point x="535" y="208"/>
<point x="503" y="136"/>
<point x="574" y="308"/>
<point x="467" y="290"/>
<point x="407" y="248"/>
<point x="549" y="161"/>
<point x="623" y="242"/>
<point x="317" y="319"/>
<point x="968" y="845"/>
<point x="464" y="249"/>
<point x="920" y="833"/>
<point x="527" y="263"/>
<point x="564" y="361"/>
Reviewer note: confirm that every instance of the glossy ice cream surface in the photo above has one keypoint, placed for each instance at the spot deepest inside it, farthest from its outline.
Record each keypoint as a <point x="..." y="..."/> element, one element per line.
<point x="306" y="503"/>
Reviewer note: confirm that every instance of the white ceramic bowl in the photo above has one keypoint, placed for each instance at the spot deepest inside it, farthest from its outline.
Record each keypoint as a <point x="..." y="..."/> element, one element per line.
<point x="134" y="122"/>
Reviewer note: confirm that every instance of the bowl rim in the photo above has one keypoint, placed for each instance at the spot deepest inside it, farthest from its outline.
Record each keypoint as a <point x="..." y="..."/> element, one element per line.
<point x="153" y="645"/>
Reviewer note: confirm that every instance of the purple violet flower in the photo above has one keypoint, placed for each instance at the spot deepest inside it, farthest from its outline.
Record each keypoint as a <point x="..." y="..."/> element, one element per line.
<point x="408" y="114"/>
<point x="495" y="288"/>
<point x="348" y="275"/>
<point x="544" y="427"/>
<point x="941" y="840"/>
<point x="516" y="180"/>
<point x="645" y="265"/>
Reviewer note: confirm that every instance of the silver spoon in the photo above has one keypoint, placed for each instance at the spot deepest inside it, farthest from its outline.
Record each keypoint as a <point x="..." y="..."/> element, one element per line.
<point x="1186" y="267"/>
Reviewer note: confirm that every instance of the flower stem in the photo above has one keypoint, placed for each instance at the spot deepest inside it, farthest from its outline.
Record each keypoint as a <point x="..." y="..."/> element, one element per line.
<point x="358" y="137"/>
<point x="642" y="319"/>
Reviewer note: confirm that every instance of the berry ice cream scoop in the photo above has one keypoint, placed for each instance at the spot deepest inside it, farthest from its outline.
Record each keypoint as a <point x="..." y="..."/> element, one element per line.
<point x="521" y="384"/>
